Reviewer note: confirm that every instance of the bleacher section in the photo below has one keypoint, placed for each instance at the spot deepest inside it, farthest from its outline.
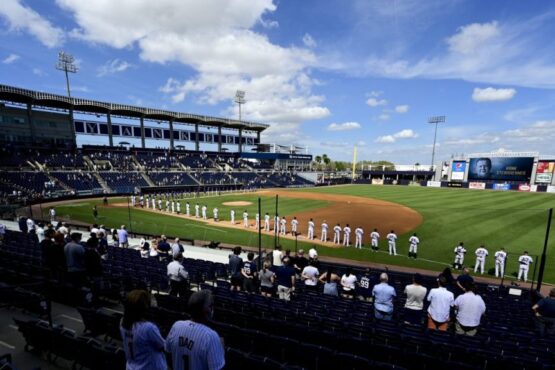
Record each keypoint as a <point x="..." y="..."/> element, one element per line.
<point x="80" y="181"/>
<point x="171" y="178"/>
<point x="124" y="182"/>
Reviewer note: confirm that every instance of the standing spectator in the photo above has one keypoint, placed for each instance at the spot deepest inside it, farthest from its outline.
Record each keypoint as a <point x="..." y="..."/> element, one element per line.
<point x="177" y="248"/>
<point x="470" y="308"/>
<point x="330" y="280"/>
<point x="463" y="278"/>
<point x="30" y="225"/>
<point x="192" y="344"/>
<point x="142" y="342"/>
<point x="2" y="231"/>
<point x="235" y="267"/>
<point x="163" y="247"/>
<point x="383" y="294"/>
<point x="123" y="237"/>
<point x="23" y="225"/>
<point x="178" y="276"/>
<point x="310" y="276"/>
<point x="414" y="304"/>
<point x="63" y="229"/>
<point x="348" y="283"/>
<point x="286" y="280"/>
<point x="75" y="259"/>
<point x="40" y="231"/>
<point x="366" y="284"/>
<point x="451" y="282"/>
<point x="277" y="256"/>
<point x="441" y="300"/>
<point x="93" y="263"/>
<point x="249" y="274"/>
<point x="300" y="262"/>
<point x="545" y="315"/>
<point x="267" y="278"/>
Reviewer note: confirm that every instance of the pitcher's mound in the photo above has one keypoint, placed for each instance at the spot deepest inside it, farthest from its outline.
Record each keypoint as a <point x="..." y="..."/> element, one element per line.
<point x="237" y="203"/>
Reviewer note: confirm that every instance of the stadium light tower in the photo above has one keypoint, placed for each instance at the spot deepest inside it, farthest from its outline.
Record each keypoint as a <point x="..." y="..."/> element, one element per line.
<point x="66" y="63"/>
<point x="436" y="120"/>
<point x="240" y="100"/>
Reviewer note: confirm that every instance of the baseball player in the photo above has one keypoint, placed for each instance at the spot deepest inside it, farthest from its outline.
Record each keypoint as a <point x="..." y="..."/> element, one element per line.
<point x="232" y="215"/>
<point x="283" y="223"/>
<point x="187" y="209"/>
<point x="310" y="230"/>
<point x="167" y="205"/>
<point x="324" y="236"/>
<point x="52" y="214"/>
<point x="142" y="201"/>
<point x="173" y="206"/>
<point x="147" y="201"/>
<point x="266" y="222"/>
<point x="133" y="201"/>
<point x="276" y="224"/>
<point x="160" y="204"/>
<point x="392" y="242"/>
<point x="500" y="257"/>
<point x="525" y="260"/>
<point x="203" y="210"/>
<point x="245" y="219"/>
<point x="359" y="232"/>
<point x="374" y="239"/>
<point x="337" y="234"/>
<point x="215" y="213"/>
<point x="257" y="221"/>
<point x="197" y="209"/>
<point x="413" y="245"/>
<point x="347" y="236"/>
<point x="153" y="201"/>
<point x="178" y="207"/>
<point x="481" y="254"/>
<point x="294" y="224"/>
<point x="459" y="256"/>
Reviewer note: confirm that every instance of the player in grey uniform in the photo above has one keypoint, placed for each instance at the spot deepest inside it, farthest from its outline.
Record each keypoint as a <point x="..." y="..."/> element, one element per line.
<point x="460" y="251"/>
<point x="413" y="246"/>
<point x="500" y="257"/>
<point x="481" y="254"/>
<point x="178" y="207"/>
<point x="374" y="239"/>
<point x="525" y="260"/>
<point x="215" y="214"/>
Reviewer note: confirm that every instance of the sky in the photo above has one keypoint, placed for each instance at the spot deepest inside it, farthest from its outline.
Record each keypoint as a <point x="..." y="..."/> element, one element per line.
<point x="328" y="75"/>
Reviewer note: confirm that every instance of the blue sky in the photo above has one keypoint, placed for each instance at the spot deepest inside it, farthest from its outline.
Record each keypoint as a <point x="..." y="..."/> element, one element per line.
<point x="324" y="74"/>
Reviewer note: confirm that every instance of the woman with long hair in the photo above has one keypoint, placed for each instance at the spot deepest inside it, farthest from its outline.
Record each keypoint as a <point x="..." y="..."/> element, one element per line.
<point x="330" y="280"/>
<point x="142" y="342"/>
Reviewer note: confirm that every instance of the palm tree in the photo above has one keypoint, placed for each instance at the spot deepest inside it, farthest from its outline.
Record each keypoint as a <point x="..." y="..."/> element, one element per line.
<point x="326" y="159"/>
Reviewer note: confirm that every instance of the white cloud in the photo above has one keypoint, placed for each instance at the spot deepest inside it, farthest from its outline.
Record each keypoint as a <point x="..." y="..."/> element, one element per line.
<point x="403" y="134"/>
<point x="269" y="24"/>
<point x="472" y="37"/>
<point x="112" y="66"/>
<point x="373" y="102"/>
<point x="346" y="126"/>
<point x="402" y="108"/>
<point x="22" y="18"/>
<point x="10" y="59"/>
<point x="39" y="72"/>
<point x="308" y="41"/>
<point x="384" y="117"/>
<point x="490" y="94"/>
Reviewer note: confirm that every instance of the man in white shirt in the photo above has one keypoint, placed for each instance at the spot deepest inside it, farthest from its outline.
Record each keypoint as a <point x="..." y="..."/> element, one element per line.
<point x="160" y="204"/>
<point x="40" y="231"/>
<point x="232" y="216"/>
<point x="392" y="242"/>
<point x="257" y="221"/>
<point x="500" y="257"/>
<point x="187" y="209"/>
<point x="414" y="304"/>
<point x="276" y="256"/>
<point x="524" y="261"/>
<point x="276" y="224"/>
<point x="310" y="275"/>
<point x="63" y="229"/>
<point x="481" y="254"/>
<point x="30" y="224"/>
<point x="192" y="344"/>
<point x="266" y="222"/>
<point x="324" y="236"/>
<point x="460" y="251"/>
<point x="337" y="234"/>
<point x="203" y="209"/>
<point x="283" y="229"/>
<point x="197" y="210"/>
<point x="312" y="253"/>
<point x="294" y="225"/>
<point x="178" y="276"/>
<point x="310" y="229"/>
<point x="173" y="206"/>
<point x="178" y="207"/>
<point x="347" y="236"/>
<point x="245" y="219"/>
<point x="52" y="213"/>
<point x="470" y="308"/>
<point x="413" y="246"/>
<point x="441" y="300"/>
<point x="359" y="232"/>
<point x="123" y="237"/>
<point x="374" y="239"/>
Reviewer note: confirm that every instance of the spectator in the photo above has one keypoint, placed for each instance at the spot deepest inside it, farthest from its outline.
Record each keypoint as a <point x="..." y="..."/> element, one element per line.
<point x="300" y="262"/>
<point x="310" y="276"/>
<point x="545" y="315"/>
<point x="470" y="308"/>
<point x="163" y="247"/>
<point x="235" y="267"/>
<point x="277" y="256"/>
<point x="366" y="284"/>
<point x="462" y="279"/>
<point x="267" y="278"/>
<point x="249" y="274"/>
<point x="123" y="237"/>
<point x="30" y="224"/>
<point x="63" y="229"/>
<point x="177" y="248"/>
<point x="75" y="259"/>
<point x="348" y="283"/>
<point x="145" y="248"/>
<point x="93" y="263"/>
<point x="193" y="341"/>
<point x="414" y="304"/>
<point x="286" y="280"/>
<point x="102" y="244"/>
<point x="143" y="344"/>
<point x="383" y="294"/>
<point x="330" y="280"/>
<point x="23" y="225"/>
<point x="441" y="300"/>
<point x="40" y="232"/>
<point x="451" y="282"/>
<point x="2" y="232"/>
<point x="178" y="276"/>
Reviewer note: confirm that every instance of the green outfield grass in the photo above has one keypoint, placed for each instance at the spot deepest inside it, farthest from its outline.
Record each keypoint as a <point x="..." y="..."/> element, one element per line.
<point x="514" y="220"/>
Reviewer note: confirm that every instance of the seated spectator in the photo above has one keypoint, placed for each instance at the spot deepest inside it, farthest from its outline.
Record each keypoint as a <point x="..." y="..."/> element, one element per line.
<point x="414" y="304"/>
<point x="383" y="294"/>
<point x="545" y="315"/>
<point x="348" y="281"/>
<point x="192" y="343"/>
<point x="441" y="300"/>
<point x="143" y="344"/>
<point x="178" y="276"/>
<point x="470" y="308"/>
<point x="330" y="280"/>
<point x="267" y="278"/>
<point x="235" y="267"/>
<point x="310" y="276"/>
<point x="286" y="280"/>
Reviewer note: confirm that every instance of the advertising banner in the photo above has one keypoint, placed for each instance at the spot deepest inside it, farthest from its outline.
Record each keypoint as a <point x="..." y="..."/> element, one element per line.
<point x="544" y="172"/>
<point x="457" y="170"/>
<point x="533" y="188"/>
<point x="433" y="184"/>
<point x="503" y="187"/>
<point x="455" y="184"/>
<point x="377" y="181"/>
<point x="524" y="187"/>
<point x="477" y="185"/>
<point x="551" y="189"/>
<point x="501" y="168"/>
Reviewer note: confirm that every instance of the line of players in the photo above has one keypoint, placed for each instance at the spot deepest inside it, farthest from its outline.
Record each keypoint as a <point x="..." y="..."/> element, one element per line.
<point x="500" y="257"/>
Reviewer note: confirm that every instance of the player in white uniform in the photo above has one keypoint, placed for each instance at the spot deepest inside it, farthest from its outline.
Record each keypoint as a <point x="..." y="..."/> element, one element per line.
<point x="337" y="234"/>
<point x="460" y="251"/>
<point x="359" y="232"/>
<point x="173" y="206"/>
<point x="178" y="207"/>
<point x="266" y="222"/>
<point x="413" y="246"/>
<point x="52" y="214"/>
<point x="324" y="237"/>
<point x="203" y="210"/>
<point x="392" y="242"/>
<point x="311" y="230"/>
<point x="187" y="209"/>
<point x="153" y="203"/>
<point x="257" y="221"/>
<point x="276" y="224"/>
<point x="347" y="236"/>
<point x="197" y="210"/>
<point x="232" y="216"/>
<point x="481" y="254"/>
<point x="525" y="260"/>
<point x="374" y="239"/>
<point x="142" y="201"/>
<point x="500" y="257"/>
<point x="133" y="201"/>
<point x="160" y="204"/>
<point x="294" y="225"/>
<point x="283" y="229"/>
<point x="245" y="219"/>
<point x="215" y="214"/>
<point x="167" y="205"/>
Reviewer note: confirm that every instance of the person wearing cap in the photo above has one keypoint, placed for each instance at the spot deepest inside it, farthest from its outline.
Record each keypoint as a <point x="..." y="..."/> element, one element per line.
<point x="545" y="315"/>
<point x="75" y="259"/>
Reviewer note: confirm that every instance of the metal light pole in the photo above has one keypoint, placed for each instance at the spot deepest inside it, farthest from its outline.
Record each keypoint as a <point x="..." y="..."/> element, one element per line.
<point x="66" y="63"/>
<point x="240" y="100"/>
<point x="435" y="120"/>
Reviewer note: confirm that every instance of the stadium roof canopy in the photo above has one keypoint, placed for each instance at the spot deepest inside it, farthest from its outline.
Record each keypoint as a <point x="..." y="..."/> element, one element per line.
<point x="47" y="100"/>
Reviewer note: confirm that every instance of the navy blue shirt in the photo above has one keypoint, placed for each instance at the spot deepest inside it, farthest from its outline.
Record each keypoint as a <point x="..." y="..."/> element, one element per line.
<point x="164" y="246"/>
<point x="284" y="274"/>
<point x="250" y="268"/>
<point x="546" y="307"/>
<point x="365" y="285"/>
<point x="235" y="265"/>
